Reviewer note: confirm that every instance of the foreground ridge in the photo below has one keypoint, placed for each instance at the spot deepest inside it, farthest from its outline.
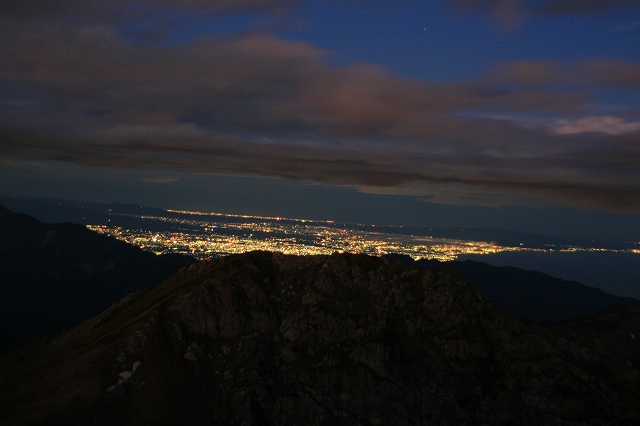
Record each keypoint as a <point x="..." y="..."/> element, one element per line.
<point x="268" y="339"/>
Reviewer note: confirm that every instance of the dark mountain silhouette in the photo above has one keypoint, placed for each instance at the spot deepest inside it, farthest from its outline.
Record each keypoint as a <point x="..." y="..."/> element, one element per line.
<point x="528" y="294"/>
<point x="268" y="339"/>
<point x="54" y="210"/>
<point x="55" y="276"/>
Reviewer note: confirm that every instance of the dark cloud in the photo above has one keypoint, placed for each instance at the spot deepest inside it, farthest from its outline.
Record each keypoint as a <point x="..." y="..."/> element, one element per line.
<point x="594" y="72"/>
<point x="148" y="20"/>
<point x="578" y="7"/>
<point x="512" y="12"/>
<point x="506" y="8"/>
<point x="600" y="174"/>
<point x="259" y="104"/>
<point x="34" y="8"/>
<point x="496" y="7"/>
<point x="253" y="82"/>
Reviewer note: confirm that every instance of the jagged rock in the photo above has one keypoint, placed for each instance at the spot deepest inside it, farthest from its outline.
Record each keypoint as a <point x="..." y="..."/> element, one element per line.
<point x="269" y="339"/>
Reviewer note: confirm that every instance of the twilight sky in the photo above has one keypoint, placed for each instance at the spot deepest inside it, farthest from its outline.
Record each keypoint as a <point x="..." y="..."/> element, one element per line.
<point x="512" y="113"/>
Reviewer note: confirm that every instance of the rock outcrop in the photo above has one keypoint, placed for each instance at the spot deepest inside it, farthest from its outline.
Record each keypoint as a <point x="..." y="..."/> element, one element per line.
<point x="268" y="339"/>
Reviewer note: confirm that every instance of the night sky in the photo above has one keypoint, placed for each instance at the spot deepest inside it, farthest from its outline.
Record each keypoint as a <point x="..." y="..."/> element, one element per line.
<point x="517" y="114"/>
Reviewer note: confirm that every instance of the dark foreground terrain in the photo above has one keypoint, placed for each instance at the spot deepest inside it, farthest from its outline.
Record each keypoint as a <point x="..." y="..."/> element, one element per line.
<point x="268" y="339"/>
<point x="54" y="276"/>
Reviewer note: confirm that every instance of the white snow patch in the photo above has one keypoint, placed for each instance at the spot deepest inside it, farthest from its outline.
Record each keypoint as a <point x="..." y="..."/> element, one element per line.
<point x="124" y="376"/>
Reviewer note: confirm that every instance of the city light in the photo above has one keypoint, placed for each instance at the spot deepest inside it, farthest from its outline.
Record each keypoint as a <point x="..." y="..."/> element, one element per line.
<point x="209" y="235"/>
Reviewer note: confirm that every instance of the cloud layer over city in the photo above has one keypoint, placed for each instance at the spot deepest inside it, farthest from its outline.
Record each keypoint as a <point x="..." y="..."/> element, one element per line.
<point x="535" y="131"/>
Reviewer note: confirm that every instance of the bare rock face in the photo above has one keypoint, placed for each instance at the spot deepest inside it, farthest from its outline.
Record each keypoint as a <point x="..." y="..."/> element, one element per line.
<point x="269" y="339"/>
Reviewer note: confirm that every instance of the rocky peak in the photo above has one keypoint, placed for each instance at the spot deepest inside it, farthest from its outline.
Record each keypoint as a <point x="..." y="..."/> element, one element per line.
<point x="268" y="339"/>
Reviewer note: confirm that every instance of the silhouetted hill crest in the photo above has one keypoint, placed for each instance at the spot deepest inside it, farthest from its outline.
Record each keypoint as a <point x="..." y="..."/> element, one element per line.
<point x="264" y="338"/>
<point x="528" y="294"/>
<point x="56" y="275"/>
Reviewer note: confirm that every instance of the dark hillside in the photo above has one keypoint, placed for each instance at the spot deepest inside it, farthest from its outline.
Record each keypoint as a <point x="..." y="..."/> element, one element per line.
<point x="529" y="294"/>
<point x="55" y="276"/>
<point x="268" y="339"/>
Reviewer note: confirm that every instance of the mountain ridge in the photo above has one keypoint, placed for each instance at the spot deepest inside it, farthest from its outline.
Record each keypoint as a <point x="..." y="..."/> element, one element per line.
<point x="265" y="338"/>
<point x="56" y="275"/>
<point x="529" y="294"/>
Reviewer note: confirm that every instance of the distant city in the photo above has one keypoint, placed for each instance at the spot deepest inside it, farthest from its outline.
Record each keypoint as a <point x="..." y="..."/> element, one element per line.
<point x="612" y="266"/>
<point x="210" y="235"/>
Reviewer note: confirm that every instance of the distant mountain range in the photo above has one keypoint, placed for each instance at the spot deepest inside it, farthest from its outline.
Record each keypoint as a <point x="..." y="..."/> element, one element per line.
<point x="268" y="339"/>
<point x="528" y="294"/>
<point x="54" y="210"/>
<point x="54" y="276"/>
